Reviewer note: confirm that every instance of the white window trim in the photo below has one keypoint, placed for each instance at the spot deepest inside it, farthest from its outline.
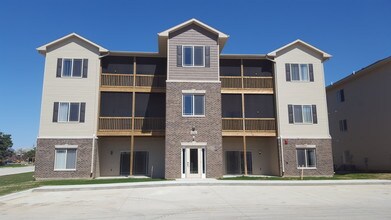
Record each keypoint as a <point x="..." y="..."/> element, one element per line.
<point x="306" y="148"/>
<point x="65" y="147"/>
<point x="300" y="79"/>
<point x="193" y="115"/>
<point x="302" y="115"/>
<point x="69" y="113"/>
<point x="192" y="46"/>
<point x="71" y="76"/>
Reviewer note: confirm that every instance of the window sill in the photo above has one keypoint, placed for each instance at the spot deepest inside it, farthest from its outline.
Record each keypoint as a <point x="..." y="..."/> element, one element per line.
<point x="68" y="122"/>
<point x="193" y="66"/>
<point x="62" y="170"/>
<point x="303" y="123"/>
<point x="70" y="77"/>
<point x="193" y="116"/>
<point x="306" y="168"/>
<point x="300" y="81"/>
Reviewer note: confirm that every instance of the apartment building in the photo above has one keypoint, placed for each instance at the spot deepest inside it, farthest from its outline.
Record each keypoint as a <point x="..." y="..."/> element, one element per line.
<point x="186" y="111"/>
<point x="359" y="107"/>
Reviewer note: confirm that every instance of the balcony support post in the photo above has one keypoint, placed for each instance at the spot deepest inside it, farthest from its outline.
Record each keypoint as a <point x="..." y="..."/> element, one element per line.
<point x="243" y="120"/>
<point x="133" y="111"/>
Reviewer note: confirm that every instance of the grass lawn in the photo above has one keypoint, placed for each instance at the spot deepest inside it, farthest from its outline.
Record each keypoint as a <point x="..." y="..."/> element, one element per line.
<point x="13" y="165"/>
<point x="23" y="181"/>
<point x="350" y="176"/>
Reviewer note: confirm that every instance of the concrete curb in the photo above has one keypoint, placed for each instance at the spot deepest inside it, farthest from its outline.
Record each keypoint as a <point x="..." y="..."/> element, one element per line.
<point x="210" y="183"/>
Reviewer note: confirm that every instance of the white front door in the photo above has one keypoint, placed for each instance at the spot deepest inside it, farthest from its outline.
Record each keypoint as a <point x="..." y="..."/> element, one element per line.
<point x="193" y="162"/>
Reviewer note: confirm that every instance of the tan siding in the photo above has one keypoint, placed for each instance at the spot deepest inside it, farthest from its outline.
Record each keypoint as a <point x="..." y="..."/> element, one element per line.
<point x="193" y="35"/>
<point x="110" y="162"/>
<point x="263" y="150"/>
<point x="367" y="109"/>
<point x="301" y="93"/>
<point x="70" y="89"/>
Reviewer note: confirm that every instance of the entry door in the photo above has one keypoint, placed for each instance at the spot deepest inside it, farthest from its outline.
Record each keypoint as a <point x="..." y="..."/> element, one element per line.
<point x="194" y="162"/>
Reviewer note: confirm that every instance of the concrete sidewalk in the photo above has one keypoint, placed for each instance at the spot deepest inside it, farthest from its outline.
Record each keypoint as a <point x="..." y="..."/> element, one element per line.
<point x="16" y="170"/>
<point x="210" y="182"/>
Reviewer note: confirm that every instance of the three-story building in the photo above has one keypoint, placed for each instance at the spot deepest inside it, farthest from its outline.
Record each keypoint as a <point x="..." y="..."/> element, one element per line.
<point x="186" y="111"/>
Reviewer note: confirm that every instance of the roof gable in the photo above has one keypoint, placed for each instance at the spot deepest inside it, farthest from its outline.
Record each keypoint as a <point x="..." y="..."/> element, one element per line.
<point x="325" y="55"/>
<point x="42" y="49"/>
<point x="163" y="36"/>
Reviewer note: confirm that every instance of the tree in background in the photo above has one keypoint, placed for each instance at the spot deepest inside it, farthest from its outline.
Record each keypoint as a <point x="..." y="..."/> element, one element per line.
<point x="5" y="147"/>
<point x="29" y="156"/>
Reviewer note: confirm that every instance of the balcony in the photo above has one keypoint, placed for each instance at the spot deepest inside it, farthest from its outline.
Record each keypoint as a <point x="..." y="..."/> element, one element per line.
<point x="249" y="127"/>
<point x="247" y="84"/>
<point x="122" y="126"/>
<point x="128" y="82"/>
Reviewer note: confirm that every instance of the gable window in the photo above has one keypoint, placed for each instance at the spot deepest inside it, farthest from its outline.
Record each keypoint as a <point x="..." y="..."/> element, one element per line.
<point x="193" y="56"/>
<point x="72" y="68"/>
<point x="69" y="112"/>
<point x="341" y="95"/>
<point x="343" y="125"/>
<point x="193" y="104"/>
<point x="65" y="158"/>
<point x="299" y="72"/>
<point x="306" y="157"/>
<point x="302" y="114"/>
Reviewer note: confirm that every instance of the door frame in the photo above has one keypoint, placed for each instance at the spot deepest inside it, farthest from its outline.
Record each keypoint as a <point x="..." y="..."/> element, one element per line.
<point x="185" y="154"/>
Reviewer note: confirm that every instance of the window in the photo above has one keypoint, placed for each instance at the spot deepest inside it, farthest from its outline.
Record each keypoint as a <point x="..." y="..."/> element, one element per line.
<point x="193" y="56"/>
<point x="72" y="68"/>
<point x="341" y="95"/>
<point x="65" y="159"/>
<point x="302" y="114"/>
<point x="193" y="105"/>
<point x="299" y="72"/>
<point x="69" y="112"/>
<point x="306" y="157"/>
<point x="343" y="125"/>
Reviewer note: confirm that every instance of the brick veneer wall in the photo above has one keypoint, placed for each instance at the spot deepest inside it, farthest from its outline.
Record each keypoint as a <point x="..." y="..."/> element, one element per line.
<point x="324" y="159"/>
<point x="44" y="164"/>
<point x="208" y="128"/>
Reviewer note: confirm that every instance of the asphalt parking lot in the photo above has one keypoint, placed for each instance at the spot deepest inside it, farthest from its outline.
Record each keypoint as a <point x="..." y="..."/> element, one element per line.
<point x="204" y="202"/>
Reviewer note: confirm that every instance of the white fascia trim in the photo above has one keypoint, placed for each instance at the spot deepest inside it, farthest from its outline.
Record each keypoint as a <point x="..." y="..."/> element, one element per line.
<point x="65" y="146"/>
<point x="68" y="137"/>
<point x="193" y="81"/>
<point x="193" y="143"/>
<point x="194" y="91"/>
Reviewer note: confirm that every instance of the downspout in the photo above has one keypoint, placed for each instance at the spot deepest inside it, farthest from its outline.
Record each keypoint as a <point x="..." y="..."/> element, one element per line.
<point x="282" y="156"/>
<point x="92" y="156"/>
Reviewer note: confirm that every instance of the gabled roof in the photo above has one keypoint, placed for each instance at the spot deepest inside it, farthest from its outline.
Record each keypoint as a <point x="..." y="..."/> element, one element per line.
<point x="163" y="36"/>
<point x="298" y="41"/>
<point x="361" y="72"/>
<point x="42" y="49"/>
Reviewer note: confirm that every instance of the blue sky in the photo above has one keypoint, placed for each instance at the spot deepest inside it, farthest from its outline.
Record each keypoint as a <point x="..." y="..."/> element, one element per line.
<point x="356" y="33"/>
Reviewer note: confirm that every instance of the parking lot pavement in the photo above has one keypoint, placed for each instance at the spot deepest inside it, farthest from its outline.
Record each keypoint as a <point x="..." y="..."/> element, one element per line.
<point x="16" y="170"/>
<point x="204" y="202"/>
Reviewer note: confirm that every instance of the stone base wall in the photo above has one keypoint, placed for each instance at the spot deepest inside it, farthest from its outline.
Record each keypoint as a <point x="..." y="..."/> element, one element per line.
<point x="208" y="128"/>
<point x="45" y="155"/>
<point x="324" y="159"/>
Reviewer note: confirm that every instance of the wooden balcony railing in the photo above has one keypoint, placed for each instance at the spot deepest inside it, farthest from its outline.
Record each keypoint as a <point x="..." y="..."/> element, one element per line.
<point x="249" y="82"/>
<point x="126" y="80"/>
<point x="251" y="124"/>
<point x="125" y="124"/>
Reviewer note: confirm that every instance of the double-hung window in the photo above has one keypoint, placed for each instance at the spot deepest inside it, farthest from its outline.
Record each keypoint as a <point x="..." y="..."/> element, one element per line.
<point x="65" y="158"/>
<point x="193" y="104"/>
<point x="193" y="56"/>
<point x="341" y="95"/>
<point x="69" y="112"/>
<point x="72" y="68"/>
<point x="306" y="157"/>
<point x="302" y="114"/>
<point x="343" y="125"/>
<point x="299" y="72"/>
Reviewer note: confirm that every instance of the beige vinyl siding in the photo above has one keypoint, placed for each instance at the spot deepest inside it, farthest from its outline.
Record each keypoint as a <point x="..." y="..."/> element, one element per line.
<point x="193" y="35"/>
<point x="367" y="109"/>
<point x="301" y="93"/>
<point x="70" y="90"/>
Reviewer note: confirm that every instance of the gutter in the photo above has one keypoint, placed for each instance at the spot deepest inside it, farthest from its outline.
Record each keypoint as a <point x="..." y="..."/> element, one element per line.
<point x="92" y="156"/>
